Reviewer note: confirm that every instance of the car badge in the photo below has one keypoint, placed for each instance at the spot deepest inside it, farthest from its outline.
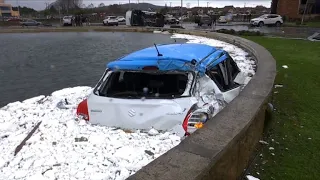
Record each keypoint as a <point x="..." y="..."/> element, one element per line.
<point x="131" y="113"/>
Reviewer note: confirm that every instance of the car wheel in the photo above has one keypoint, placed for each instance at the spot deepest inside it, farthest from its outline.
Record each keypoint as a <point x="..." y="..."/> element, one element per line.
<point x="260" y="24"/>
<point x="278" y="23"/>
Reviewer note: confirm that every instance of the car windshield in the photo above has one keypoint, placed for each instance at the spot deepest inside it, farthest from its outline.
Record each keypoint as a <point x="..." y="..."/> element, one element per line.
<point x="150" y="85"/>
<point x="112" y="17"/>
<point x="67" y="17"/>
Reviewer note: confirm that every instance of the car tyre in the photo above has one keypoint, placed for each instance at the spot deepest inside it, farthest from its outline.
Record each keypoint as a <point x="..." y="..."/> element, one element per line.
<point x="278" y="24"/>
<point x="260" y="24"/>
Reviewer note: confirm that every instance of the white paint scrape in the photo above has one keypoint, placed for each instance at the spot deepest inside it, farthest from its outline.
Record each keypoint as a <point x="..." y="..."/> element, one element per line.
<point x="65" y="148"/>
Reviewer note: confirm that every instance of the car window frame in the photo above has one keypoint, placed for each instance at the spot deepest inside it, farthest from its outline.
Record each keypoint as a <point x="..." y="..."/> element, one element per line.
<point x="108" y="72"/>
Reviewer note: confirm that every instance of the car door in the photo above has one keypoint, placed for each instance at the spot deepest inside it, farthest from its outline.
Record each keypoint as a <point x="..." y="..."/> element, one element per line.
<point x="269" y="20"/>
<point x="223" y="74"/>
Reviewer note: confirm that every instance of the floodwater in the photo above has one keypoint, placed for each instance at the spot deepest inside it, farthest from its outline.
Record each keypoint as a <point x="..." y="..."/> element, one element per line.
<point x="40" y="63"/>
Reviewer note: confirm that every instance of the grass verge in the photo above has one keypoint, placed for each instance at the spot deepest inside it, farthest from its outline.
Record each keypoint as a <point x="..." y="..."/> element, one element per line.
<point x="294" y="131"/>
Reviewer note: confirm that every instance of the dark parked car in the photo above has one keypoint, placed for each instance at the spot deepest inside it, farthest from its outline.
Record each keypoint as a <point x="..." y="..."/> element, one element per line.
<point x="203" y="19"/>
<point x="30" y="22"/>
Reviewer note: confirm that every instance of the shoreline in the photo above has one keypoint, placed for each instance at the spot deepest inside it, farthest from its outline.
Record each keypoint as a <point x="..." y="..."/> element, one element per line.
<point x="77" y="29"/>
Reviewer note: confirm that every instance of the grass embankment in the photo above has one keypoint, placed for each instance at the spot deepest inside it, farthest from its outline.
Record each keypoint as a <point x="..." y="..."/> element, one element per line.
<point x="294" y="132"/>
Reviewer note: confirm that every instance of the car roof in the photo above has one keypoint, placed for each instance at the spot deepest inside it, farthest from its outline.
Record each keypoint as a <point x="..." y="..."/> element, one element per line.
<point x="174" y="57"/>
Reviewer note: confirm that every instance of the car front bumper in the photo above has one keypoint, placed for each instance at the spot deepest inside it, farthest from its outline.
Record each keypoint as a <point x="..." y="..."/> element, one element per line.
<point x="254" y="23"/>
<point x="112" y="23"/>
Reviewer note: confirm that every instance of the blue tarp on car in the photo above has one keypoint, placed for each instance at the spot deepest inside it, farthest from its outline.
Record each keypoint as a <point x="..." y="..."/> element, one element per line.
<point x="173" y="57"/>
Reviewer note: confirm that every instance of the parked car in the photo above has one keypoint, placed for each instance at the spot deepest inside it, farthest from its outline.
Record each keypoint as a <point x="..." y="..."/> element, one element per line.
<point x="171" y="20"/>
<point x="173" y="87"/>
<point x="110" y="21"/>
<point x="205" y="19"/>
<point x="267" y="19"/>
<point x="31" y="22"/>
<point x="222" y="19"/>
<point x="121" y="19"/>
<point x="67" y="20"/>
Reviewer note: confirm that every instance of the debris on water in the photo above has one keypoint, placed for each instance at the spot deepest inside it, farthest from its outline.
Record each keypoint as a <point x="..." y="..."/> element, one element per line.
<point x="263" y="142"/>
<point x="271" y="148"/>
<point x="272" y="154"/>
<point x="285" y="66"/>
<point x="82" y="139"/>
<point x="149" y="152"/>
<point x="309" y="138"/>
<point x="153" y="132"/>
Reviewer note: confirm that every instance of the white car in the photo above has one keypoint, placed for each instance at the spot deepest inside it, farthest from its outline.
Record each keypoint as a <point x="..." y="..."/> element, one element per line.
<point x="121" y="19"/>
<point x="267" y="19"/>
<point x="111" y="21"/>
<point x="222" y="19"/>
<point x="173" y="87"/>
<point x="67" y="20"/>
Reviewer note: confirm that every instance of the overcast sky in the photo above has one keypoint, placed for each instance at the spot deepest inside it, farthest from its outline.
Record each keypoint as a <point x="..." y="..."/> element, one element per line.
<point x="40" y="4"/>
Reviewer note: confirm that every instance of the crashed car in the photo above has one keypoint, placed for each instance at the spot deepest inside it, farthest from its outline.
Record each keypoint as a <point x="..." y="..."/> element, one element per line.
<point x="172" y="87"/>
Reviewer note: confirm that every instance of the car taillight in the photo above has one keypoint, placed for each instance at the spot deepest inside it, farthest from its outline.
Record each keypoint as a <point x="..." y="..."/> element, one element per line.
<point x="82" y="110"/>
<point x="194" y="121"/>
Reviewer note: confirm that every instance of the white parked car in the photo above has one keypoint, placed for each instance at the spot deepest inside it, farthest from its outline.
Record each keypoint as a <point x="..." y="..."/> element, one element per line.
<point x="267" y="19"/>
<point x="173" y="87"/>
<point x="110" y="21"/>
<point x="121" y="19"/>
<point x="222" y="19"/>
<point x="67" y="20"/>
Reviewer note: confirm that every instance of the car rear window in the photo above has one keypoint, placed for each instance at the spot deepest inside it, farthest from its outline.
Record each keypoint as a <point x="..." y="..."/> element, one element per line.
<point x="134" y="84"/>
<point x="112" y="17"/>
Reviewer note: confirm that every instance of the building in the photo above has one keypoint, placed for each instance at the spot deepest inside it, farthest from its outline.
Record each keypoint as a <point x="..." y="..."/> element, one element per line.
<point x="7" y="11"/>
<point x="294" y="9"/>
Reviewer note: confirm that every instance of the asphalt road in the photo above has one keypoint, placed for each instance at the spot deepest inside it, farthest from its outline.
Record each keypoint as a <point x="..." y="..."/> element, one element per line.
<point x="297" y="32"/>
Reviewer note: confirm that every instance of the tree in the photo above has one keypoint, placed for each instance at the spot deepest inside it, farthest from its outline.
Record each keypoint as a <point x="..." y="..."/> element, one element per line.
<point x="65" y="5"/>
<point x="101" y="5"/>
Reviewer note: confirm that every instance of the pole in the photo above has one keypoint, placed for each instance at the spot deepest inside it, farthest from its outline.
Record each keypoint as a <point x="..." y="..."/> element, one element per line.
<point x="18" y="7"/>
<point x="60" y="17"/>
<point x="129" y="5"/>
<point x="170" y="4"/>
<point x="198" y="4"/>
<point x="304" y="12"/>
<point x="207" y="4"/>
<point x="181" y="7"/>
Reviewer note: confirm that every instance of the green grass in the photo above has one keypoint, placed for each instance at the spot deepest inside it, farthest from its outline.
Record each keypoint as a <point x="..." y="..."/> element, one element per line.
<point x="297" y="115"/>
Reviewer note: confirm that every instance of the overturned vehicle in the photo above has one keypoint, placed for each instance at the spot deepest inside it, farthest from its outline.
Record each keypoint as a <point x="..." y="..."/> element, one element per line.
<point x="173" y="87"/>
<point x="144" y="18"/>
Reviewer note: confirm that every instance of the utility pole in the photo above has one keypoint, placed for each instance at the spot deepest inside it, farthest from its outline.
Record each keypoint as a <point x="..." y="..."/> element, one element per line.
<point x="304" y="12"/>
<point x="198" y="4"/>
<point x="207" y="4"/>
<point x="181" y="7"/>
<point x="170" y="4"/>
<point x="129" y="5"/>
<point x="18" y="8"/>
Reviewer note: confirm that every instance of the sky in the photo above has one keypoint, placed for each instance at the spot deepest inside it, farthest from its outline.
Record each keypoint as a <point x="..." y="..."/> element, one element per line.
<point x="41" y="4"/>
